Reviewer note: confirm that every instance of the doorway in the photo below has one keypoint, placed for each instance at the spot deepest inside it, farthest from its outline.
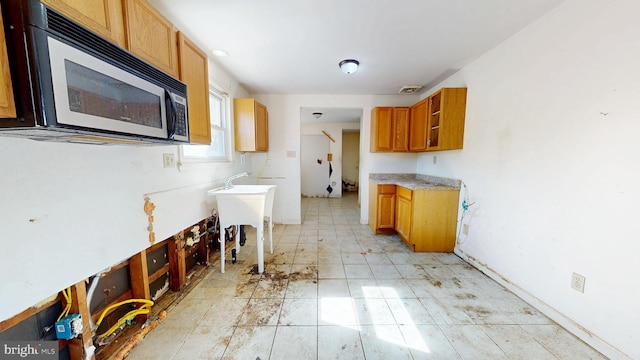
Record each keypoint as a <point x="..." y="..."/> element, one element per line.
<point x="350" y="161"/>
<point x="335" y="125"/>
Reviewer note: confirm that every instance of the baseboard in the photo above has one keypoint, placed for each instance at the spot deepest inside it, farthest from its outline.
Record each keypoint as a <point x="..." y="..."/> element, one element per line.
<point x="576" y="329"/>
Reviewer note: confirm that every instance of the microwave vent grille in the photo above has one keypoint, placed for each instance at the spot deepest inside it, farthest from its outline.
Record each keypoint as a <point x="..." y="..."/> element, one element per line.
<point x="108" y="51"/>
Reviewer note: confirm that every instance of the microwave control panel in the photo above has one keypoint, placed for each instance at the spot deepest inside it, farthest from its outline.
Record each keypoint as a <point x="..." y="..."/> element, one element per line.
<point x="181" y="126"/>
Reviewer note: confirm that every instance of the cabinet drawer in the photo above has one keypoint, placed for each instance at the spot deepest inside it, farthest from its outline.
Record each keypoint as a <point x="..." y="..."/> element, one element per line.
<point x="386" y="189"/>
<point x="404" y="192"/>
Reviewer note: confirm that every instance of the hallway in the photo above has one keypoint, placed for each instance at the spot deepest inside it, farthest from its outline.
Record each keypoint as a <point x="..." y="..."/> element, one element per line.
<point x="333" y="290"/>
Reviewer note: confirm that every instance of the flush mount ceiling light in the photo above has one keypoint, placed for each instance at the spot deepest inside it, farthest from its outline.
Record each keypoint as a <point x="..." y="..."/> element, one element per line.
<point x="220" y="53"/>
<point x="349" y="66"/>
<point x="317" y="115"/>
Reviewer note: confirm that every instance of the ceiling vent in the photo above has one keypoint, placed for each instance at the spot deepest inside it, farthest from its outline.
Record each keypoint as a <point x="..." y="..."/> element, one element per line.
<point x="410" y="89"/>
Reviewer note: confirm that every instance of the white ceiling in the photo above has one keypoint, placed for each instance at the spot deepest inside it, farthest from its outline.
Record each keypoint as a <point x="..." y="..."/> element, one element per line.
<point x="294" y="46"/>
<point x="330" y="115"/>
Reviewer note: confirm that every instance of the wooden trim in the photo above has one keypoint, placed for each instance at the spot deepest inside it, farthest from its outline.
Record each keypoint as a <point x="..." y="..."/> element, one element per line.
<point x="156" y="275"/>
<point x="118" y="266"/>
<point x="178" y="267"/>
<point x="156" y="246"/>
<point x="138" y="273"/>
<point x="79" y="305"/>
<point x="203" y="249"/>
<point x="327" y="135"/>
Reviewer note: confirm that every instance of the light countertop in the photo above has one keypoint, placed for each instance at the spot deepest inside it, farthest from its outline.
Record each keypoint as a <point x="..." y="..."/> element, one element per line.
<point x="416" y="181"/>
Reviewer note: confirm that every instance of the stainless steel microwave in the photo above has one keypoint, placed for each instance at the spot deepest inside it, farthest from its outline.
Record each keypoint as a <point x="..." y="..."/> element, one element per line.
<point x="72" y="85"/>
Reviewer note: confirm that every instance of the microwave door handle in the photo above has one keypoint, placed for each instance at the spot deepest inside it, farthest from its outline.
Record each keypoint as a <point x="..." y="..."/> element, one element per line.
<point x="171" y="119"/>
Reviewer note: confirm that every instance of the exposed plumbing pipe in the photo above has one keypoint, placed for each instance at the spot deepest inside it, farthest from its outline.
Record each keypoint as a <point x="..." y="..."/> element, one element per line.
<point x="92" y="289"/>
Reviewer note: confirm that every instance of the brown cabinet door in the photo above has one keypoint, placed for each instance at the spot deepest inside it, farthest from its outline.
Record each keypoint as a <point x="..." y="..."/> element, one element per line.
<point x="401" y="129"/>
<point x="447" y="118"/>
<point x="7" y="104"/>
<point x="382" y="129"/>
<point x="262" y="128"/>
<point x="244" y="124"/>
<point x="105" y="17"/>
<point x="386" y="211"/>
<point x="251" y="125"/>
<point x="151" y="36"/>
<point x="418" y="126"/>
<point x="403" y="219"/>
<point x="194" y="72"/>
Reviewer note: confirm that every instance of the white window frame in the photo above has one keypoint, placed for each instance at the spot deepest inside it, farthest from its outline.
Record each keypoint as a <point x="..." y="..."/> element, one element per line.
<point x="225" y="127"/>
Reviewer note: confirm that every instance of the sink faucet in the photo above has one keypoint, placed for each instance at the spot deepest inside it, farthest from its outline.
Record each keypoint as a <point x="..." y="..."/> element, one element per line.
<point x="227" y="181"/>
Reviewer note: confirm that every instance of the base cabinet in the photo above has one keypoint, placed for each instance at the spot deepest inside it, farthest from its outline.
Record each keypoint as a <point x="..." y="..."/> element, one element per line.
<point x="426" y="220"/>
<point x="382" y="208"/>
<point x="404" y="217"/>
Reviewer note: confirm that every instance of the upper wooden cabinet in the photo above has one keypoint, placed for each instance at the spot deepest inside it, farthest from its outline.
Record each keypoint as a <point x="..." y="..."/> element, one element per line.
<point x="418" y="126"/>
<point x="105" y="17"/>
<point x="389" y="129"/>
<point x="251" y="125"/>
<point x="433" y="123"/>
<point x="445" y="128"/>
<point x="7" y="104"/>
<point x="381" y="129"/>
<point x="400" y="129"/>
<point x="151" y="36"/>
<point x="194" y="71"/>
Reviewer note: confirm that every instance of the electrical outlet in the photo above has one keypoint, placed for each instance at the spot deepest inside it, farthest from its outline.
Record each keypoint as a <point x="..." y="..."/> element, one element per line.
<point x="435" y="159"/>
<point x="465" y="229"/>
<point x="168" y="160"/>
<point x="577" y="282"/>
<point x="291" y="153"/>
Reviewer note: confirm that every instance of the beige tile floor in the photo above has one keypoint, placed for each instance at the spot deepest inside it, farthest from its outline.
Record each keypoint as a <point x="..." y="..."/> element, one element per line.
<point x="333" y="290"/>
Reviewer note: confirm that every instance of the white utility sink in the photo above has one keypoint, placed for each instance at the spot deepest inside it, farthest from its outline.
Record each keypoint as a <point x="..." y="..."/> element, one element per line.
<point x="245" y="205"/>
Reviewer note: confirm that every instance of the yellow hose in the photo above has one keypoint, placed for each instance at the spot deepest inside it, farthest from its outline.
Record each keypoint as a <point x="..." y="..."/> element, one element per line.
<point x="144" y="309"/>
<point x="67" y="297"/>
<point x="128" y="316"/>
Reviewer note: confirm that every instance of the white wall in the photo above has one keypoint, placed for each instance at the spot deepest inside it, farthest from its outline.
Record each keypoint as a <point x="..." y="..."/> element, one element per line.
<point x="284" y="135"/>
<point x="550" y="158"/>
<point x="67" y="211"/>
<point x="335" y="148"/>
<point x="314" y="167"/>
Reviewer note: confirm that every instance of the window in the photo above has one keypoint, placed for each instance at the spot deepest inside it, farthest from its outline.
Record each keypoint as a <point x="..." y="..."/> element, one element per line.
<point x="218" y="150"/>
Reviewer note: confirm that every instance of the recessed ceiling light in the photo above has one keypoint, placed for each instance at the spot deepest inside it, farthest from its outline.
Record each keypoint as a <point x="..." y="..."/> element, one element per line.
<point x="220" y="53"/>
